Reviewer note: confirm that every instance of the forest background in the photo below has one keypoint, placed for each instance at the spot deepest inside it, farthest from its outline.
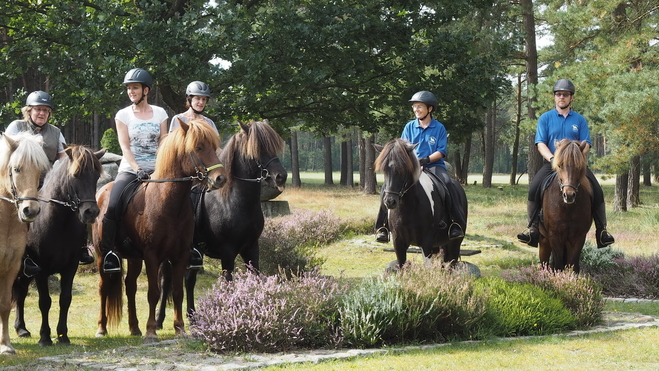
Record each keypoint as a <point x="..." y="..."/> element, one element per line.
<point x="334" y="76"/>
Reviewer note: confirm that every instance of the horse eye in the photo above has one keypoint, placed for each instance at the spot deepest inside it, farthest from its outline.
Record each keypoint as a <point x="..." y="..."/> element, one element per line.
<point x="198" y="148"/>
<point x="17" y="169"/>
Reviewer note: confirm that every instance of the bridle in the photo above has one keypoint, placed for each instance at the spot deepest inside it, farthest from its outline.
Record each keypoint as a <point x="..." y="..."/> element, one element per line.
<point x="74" y="201"/>
<point x="201" y="172"/>
<point x="15" y="199"/>
<point x="576" y="188"/>
<point x="404" y="189"/>
<point x="263" y="171"/>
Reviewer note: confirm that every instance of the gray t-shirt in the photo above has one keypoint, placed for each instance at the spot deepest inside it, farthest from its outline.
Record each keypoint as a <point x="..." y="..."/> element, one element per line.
<point x="143" y="135"/>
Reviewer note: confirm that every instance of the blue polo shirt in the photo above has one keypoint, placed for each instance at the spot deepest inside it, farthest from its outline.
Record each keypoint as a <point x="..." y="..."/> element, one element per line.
<point x="553" y="127"/>
<point x="431" y="139"/>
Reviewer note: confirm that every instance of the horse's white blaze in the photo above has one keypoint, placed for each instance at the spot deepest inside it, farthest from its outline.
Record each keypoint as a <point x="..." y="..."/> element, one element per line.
<point x="426" y="183"/>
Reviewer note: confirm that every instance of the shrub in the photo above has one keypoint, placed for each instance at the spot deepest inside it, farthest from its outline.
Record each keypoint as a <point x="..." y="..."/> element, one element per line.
<point x="517" y="309"/>
<point x="268" y="313"/>
<point x="290" y="242"/>
<point x="580" y="294"/>
<point x="627" y="277"/>
<point x="594" y="260"/>
<point x="111" y="142"/>
<point x="418" y="305"/>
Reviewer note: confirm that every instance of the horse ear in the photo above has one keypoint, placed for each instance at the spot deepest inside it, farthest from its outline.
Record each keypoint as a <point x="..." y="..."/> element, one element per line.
<point x="583" y="146"/>
<point x="244" y="126"/>
<point x="69" y="152"/>
<point x="378" y="147"/>
<point x="183" y="124"/>
<point x="13" y="144"/>
<point x="100" y="153"/>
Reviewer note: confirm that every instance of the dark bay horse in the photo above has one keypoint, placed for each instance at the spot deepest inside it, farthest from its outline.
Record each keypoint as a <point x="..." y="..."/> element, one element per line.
<point x="22" y="159"/>
<point x="158" y="226"/>
<point x="57" y="234"/>
<point x="416" y="206"/>
<point x="231" y="219"/>
<point x="566" y="208"/>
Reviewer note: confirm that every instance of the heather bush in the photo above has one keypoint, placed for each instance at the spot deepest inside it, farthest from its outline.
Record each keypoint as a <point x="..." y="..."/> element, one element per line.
<point x="580" y="293"/>
<point x="269" y="313"/>
<point x="290" y="242"/>
<point x="421" y="304"/>
<point x="636" y="276"/>
<point x="520" y="309"/>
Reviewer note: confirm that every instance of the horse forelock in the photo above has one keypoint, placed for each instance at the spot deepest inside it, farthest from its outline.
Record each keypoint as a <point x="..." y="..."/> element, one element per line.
<point x="398" y="157"/>
<point x="29" y="152"/>
<point x="568" y="153"/>
<point x="263" y="140"/>
<point x="82" y="160"/>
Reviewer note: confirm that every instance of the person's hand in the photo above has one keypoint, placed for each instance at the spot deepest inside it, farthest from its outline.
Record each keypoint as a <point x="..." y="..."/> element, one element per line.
<point x="424" y="161"/>
<point x="142" y="175"/>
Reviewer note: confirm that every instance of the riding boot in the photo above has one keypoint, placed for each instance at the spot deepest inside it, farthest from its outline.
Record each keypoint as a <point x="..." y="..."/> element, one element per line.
<point x="30" y="267"/>
<point x="85" y="256"/>
<point x="196" y="259"/>
<point x="531" y="235"/>
<point x="603" y="237"/>
<point x="455" y="230"/>
<point x="111" y="262"/>
<point x="382" y="226"/>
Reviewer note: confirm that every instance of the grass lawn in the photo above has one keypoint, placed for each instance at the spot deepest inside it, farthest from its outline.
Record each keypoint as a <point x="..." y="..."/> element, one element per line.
<point x="496" y="215"/>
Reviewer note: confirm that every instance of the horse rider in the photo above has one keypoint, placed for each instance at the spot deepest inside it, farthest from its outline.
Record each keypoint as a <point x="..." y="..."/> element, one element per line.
<point x="553" y="126"/>
<point x="140" y="128"/>
<point x="36" y="113"/>
<point x="432" y="140"/>
<point x="197" y="95"/>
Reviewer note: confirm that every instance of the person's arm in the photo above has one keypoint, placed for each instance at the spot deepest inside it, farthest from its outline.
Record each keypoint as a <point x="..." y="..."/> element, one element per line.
<point x="163" y="130"/>
<point x="124" y="142"/>
<point x="545" y="152"/>
<point x="60" y="147"/>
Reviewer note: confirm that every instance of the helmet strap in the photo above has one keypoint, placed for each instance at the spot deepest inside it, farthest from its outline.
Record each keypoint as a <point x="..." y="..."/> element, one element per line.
<point x="194" y="110"/>
<point x="142" y="98"/>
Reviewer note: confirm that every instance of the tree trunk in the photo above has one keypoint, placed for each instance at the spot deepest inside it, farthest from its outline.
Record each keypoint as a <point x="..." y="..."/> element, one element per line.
<point x="633" y="183"/>
<point x="620" y="199"/>
<point x="534" y="160"/>
<point x="488" y="159"/>
<point x="350" y="179"/>
<point x="369" y="170"/>
<point x="344" y="161"/>
<point x="518" y="120"/>
<point x="647" y="171"/>
<point x="295" y="161"/>
<point x="327" y="163"/>
<point x="362" y="159"/>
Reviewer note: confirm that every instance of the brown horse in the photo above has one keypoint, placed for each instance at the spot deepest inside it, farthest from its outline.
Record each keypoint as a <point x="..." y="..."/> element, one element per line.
<point x="22" y="160"/>
<point x="158" y="226"/>
<point x="566" y="207"/>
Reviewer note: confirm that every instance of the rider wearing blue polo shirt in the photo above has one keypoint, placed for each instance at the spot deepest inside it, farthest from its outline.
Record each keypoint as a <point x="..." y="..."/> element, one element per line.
<point x="553" y="126"/>
<point x="431" y="137"/>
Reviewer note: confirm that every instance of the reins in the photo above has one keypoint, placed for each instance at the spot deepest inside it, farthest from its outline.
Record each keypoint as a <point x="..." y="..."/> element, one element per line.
<point x="200" y="169"/>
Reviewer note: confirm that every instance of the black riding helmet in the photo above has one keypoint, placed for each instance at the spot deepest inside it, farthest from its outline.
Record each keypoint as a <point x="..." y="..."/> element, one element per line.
<point x="39" y="98"/>
<point x="140" y="76"/>
<point x="564" y="85"/>
<point x="425" y="97"/>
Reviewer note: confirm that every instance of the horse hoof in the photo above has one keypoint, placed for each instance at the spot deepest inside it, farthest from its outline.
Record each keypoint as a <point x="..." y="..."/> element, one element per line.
<point x="101" y="334"/>
<point x="7" y="349"/>
<point x="63" y="340"/>
<point x="150" y="339"/>
<point x="136" y="333"/>
<point x="23" y="333"/>
<point x="45" y="342"/>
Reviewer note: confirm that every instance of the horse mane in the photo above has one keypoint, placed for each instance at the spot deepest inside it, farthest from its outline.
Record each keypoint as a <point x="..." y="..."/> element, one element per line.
<point x="396" y="157"/>
<point x="29" y="151"/>
<point x="180" y="142"/>
<point x="261" y="139"/>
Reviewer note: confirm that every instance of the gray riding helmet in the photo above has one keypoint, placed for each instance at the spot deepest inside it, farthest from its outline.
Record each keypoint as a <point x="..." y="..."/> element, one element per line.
<point x="425" y="97"/>
<point x="564" y="85"/>
<point x="39" y="98"/>
<point x="138" y="75"/>
<point x="198" y="88"/>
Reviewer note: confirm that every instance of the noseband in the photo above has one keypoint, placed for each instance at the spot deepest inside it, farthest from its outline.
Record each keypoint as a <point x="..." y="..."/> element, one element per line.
<point x="74" y="201"/>
<point x="263" y="170"/>
<point x="402" y="191"/>
<point x="562" y="186"/>
<point x="16" y="200"/>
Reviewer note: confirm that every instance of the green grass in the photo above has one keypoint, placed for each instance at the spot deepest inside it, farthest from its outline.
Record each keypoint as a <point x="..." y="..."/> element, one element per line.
<point x="496" y="215"/>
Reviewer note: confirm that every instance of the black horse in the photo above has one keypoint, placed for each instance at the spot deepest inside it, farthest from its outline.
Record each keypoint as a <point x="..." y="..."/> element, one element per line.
<point x="416" y="204"/>
<point x="230" y="220"/>
<point x="57" y="234"/>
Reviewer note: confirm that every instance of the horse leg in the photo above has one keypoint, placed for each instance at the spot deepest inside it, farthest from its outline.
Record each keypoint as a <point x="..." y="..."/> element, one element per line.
<point x="400" y="247"/>
<point x="134" y="270"/>
<point x="544" y="251"/>
<point x="21" y="287"/>
<point x="153" y="294"/>
<point x="250" y="256"/>
<point x="65" y="297"/>
<point x="165" y="280"/>
<point x="44" y="306"/>
<point x="103" y="293"/>
<point x="190" y="283"/>
<point x="5" y="308"/>
<point x="228" y="265"/>
<point x="178" y="271"/>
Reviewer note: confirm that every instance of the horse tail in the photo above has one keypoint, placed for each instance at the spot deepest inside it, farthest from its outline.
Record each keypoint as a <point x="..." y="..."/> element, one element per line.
<point x="114" y="299"/>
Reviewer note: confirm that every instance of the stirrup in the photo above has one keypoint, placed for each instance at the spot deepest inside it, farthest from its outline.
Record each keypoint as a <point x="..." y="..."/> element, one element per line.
<point x="196" y="259"/>
<point x="111" y="268"/>
<point x="382" y="235"/>
<point x="529" y="237"/>
<point x="455" y="236"/>
<point x="604" y="238"/>
<point x="30" y="267"/>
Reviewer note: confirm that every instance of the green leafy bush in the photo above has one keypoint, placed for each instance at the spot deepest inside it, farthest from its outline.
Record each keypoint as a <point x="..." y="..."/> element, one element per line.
<point x="290" y="242"/>
<point x="517" y="309"/>
<point x="111" y="142"/>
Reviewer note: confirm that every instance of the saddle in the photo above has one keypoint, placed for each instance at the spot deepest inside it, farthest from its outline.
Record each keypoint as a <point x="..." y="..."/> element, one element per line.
<point x="444" y="195"/>
<point x="126" y="248"/>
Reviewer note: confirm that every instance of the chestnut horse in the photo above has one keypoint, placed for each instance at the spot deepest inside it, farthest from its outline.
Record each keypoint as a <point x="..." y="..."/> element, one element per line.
<point x="22" y="159"/>
<point x="231" y="219"/>
<point x="57" y="234"/>
<point x="566" y="208"/>
<point x="416" y="204"/>
<point x="158" y="226"/>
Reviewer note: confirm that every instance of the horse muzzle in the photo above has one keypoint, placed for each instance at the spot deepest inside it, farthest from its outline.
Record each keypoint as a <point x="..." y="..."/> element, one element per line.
<point x="28" y="211"/>
<point x="390" y="202"/>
